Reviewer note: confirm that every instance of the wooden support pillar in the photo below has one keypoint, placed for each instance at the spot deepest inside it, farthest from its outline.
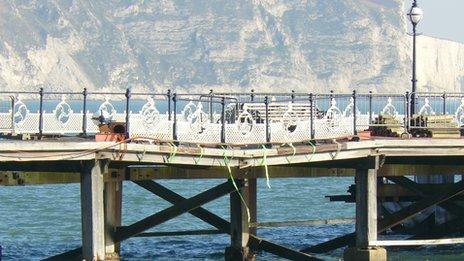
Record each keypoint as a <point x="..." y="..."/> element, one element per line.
<point x="239" y="225"/>
<point x="253" y="204"/>
<point x="113" y="208"/>
<point x="92" y="209"/>
<point x="366" y="217"/>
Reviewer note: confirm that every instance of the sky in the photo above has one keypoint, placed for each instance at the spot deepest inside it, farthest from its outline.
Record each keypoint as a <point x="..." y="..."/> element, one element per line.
<point x="442" y="18"/>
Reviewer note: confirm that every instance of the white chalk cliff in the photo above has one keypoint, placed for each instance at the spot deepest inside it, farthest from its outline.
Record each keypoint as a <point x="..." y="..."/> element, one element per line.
<point x="278" y="45"/>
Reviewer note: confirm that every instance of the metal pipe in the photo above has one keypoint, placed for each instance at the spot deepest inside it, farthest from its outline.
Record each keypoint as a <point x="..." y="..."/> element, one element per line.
<point x="407" y="116"/>
<point x="174" y="126"/>
<point x="370" y="107"/>
<point x="169" y="104"/>
<point x="266" y="103"/>
<point x="355" y="131"/>
<point x="414" y="79"/>
<point x="311" y="115"/>
<point x="444" y="103"/>
<point x="211" y="105"/>
<point x="223" y="121"/>
<point x="128" y="96"/>
<point x="41" y="94"/>
<point x="84" y="113"/>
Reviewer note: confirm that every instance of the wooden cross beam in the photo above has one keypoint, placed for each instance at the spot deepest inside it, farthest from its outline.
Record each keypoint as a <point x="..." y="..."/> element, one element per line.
<point x="174" y="198"/>
<point x="450" y="206"/>
<point x="180" y="208"/>
<point x="223" y="225"/>
<point x="390" y="220"/>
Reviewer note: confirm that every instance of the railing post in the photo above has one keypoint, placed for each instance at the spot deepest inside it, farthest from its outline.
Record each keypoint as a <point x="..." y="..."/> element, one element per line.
<point x="293" y="96"/>
<point x="128" y="96"/>
<point x="223" y="120"/>
<point x="41" y="94"/>
<point x="355" y="131"/>
<point x="252" y="95"/>
<point x="12" y="114"/>
<point x="370" y="107"/>
<point x="168" y="95"/>
<point x="174" y="126"/>
<point x="444" y="103"/>
<point x="268" y="134"/>
<point x="84" y="112"/>
<point x="311" y="115"/>
<point x="211" y="106"/>
<point x="407" y="112"/>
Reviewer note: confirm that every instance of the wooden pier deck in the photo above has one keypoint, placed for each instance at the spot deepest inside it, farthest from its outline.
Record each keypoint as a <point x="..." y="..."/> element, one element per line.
<point x="100" y="167"/>
<point x="238" y="138"/>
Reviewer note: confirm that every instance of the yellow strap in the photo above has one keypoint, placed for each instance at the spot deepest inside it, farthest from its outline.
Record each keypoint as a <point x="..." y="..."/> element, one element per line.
<point x="293" y="155"/>
<point x="173" y="152"/>
<point x="314" y="151"/>
<point x="264" y="163"/>
<point x="227" y="161"/>
<point x="201" y="155"/>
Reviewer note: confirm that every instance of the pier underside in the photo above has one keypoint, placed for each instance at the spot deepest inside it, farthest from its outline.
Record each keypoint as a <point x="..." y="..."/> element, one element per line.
<point x="380" y="168"/>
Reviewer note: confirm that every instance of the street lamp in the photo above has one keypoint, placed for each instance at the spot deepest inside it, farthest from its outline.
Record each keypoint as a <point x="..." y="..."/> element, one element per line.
<point x="415" y="16"/>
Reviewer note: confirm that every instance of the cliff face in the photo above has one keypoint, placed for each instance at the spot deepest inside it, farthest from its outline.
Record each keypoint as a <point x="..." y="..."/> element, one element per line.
<point x="306" y="45"/>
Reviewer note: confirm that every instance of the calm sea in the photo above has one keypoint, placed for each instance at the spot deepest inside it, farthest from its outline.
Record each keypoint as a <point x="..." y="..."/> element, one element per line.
<point x="40" y="221"/>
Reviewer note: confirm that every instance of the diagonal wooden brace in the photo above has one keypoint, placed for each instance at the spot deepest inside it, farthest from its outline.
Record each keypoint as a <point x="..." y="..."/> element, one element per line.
<point x="389" y="221"/>
<point x="169" y="213"/>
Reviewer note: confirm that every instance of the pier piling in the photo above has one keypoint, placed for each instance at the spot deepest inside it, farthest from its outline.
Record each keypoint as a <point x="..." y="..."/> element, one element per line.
<point x="92" y="209"/>
<point x="366" y="217"/>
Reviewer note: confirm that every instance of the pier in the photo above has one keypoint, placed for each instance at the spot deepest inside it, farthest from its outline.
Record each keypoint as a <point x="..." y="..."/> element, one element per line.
<point x="101" y="140"/>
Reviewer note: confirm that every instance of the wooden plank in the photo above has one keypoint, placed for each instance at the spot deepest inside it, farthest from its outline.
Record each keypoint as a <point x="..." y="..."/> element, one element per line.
<point x="93" y="223"/>
<point x="422" y="242"/>
<point x="338" y="242"/>
<point x="416" y="169"/>
<point x="299" y="223"/>
<point x="198" y="232"/>
<point x="278" y="250"/>
<point x="169" y="213"/>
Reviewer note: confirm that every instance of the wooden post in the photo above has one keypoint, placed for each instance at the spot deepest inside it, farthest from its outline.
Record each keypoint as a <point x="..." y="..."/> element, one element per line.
<point x="366" y="207"/>
<point x="366" y="216"/>
<point x="113" y="207"/>
<point x="239" y="226"/>
<point x="252" y="203"/>
<point x="92" y="210"/>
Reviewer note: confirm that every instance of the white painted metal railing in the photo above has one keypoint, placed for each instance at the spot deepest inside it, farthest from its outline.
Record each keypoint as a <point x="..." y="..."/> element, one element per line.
<point x="208" y="118"/>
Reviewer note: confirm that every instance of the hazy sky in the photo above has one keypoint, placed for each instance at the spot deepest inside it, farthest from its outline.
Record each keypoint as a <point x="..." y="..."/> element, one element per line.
<point x="442" y="18"/>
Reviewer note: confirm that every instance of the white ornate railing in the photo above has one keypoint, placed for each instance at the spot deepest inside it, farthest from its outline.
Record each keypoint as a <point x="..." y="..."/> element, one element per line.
<point x="211" y="118"/>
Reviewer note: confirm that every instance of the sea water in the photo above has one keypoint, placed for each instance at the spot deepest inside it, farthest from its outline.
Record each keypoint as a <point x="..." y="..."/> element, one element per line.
<point x="41" y="221"/>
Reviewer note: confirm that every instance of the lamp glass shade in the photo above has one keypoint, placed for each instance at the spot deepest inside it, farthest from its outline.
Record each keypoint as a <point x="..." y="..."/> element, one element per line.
<point x="415" y="15"/>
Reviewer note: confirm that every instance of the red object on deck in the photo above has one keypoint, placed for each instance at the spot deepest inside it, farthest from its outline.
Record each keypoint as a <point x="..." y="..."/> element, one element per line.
<point x="109" y="137"/>
<point x="364" y="135"/>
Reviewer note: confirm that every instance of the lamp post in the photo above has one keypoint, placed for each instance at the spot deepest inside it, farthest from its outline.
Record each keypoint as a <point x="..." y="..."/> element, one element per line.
<point x="415" y="16"/>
